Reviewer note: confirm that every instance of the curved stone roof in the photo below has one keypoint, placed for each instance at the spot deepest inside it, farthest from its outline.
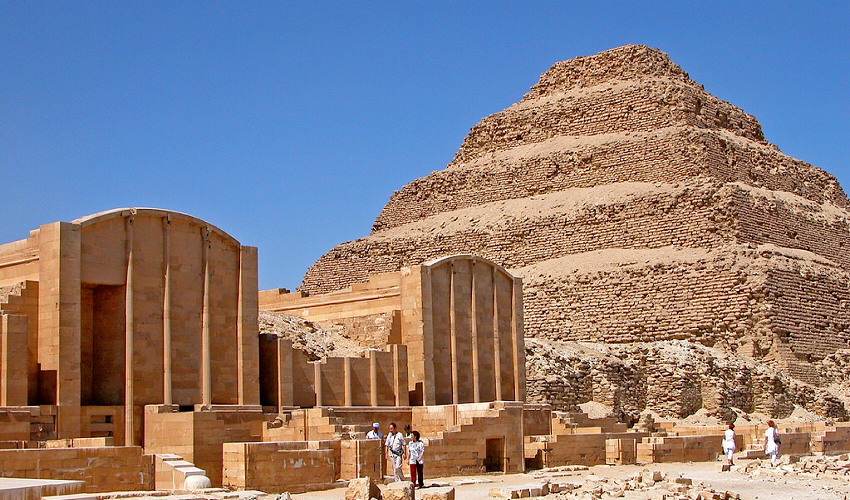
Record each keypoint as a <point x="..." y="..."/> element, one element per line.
<point x="123" y="212"/>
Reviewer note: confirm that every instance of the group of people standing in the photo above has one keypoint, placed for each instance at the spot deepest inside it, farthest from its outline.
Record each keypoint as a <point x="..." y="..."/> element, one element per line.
<point x="399" y="447"/>
<point x="771" y="442"/>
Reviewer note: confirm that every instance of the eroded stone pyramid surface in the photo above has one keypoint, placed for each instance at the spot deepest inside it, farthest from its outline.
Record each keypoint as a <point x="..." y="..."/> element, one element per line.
<point x="636" y="207"/>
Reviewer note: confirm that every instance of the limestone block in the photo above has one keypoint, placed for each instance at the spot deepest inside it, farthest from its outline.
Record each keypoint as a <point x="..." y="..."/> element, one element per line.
<point x="401" y="490"/>
<point x="440" y="493"/>
<point x="503" y="493"/>
<point x="362" y="489"/>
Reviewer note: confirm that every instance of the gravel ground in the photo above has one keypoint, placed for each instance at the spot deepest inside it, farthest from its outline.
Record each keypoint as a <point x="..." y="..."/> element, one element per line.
<point x="762" y="482"/>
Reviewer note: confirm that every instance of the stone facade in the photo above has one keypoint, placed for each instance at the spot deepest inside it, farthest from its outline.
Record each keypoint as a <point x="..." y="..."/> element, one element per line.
<point x="118" y="313"/>
<point x="459" y="318"/>
<point x="119" y="468"/>
<point x="141" y="326"/>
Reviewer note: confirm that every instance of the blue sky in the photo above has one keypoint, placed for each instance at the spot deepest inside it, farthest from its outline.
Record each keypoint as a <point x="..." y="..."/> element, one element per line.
<point x="289" y="124"/>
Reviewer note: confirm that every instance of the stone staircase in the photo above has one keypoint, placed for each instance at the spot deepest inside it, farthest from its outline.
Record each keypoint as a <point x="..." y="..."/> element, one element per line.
<point x="350" y="431"/>
<point x="466" y="423"/>
<point x="171" y="471"/>
<point x="321" y="424"/>
<point x="14" y="299"/>
<point x="581" y="423"/>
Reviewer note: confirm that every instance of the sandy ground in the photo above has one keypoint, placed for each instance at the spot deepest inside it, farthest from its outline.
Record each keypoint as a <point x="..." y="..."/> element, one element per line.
<point x="765" y="483"/>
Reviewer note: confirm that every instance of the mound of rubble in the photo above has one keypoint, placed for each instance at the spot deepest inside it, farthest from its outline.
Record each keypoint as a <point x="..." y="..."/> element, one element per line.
<point x="317" y="340"/>
<point x="671" y="379"/>
<point x="643" y="485"/>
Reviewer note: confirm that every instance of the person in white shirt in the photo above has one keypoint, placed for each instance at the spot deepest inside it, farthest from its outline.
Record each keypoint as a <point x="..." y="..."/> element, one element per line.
<point x="729" y="443"/>
<point x="396" y="453"/>
<point x="415" y="449"/>
<point x="771" y="442"/>
<point x="375" y="433"/>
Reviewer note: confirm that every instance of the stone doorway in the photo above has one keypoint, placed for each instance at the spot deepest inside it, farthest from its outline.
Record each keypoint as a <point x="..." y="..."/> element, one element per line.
<point x="495" y="459"/>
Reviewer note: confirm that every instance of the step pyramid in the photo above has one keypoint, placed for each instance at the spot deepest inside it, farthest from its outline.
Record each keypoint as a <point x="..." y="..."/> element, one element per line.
<point x="636" y="207"/>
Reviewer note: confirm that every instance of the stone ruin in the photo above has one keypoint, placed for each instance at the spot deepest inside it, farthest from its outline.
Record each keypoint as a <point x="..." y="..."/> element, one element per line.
<point x="637" y="208"/>
<point x="131" y="359"/>
<point x="619" y="236"/>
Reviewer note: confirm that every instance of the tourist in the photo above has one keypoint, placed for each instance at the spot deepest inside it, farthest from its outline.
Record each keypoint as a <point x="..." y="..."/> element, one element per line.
<point x="396" y="452"/>
<point x="407" y="435"/>
<point x="375" y="433"/>
<point x="771" y="442"/>
<point x="729" y="443"/>
<point x="415" y="450"/>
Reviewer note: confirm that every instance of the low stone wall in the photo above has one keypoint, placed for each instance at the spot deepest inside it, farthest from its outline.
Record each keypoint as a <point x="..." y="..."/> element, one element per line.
<point x="573" y="449"/>
<point x="678" y="449"/>
<point x="295" y="467"/>
<point x="120" y="468"/>
<point x="362" y="458"/>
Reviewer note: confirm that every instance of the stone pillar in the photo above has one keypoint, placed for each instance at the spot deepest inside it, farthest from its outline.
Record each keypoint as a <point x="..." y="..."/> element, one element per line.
<point x="166" y="310"/>
<point x="497" y="346"/>
<point x="473" y="324"/>
<point x="284" y="373"/>
<point x="373" y="378"/>
<point x="518" y="342"/>
<point x="13" y="360"/>
<point x="247" y="329"/>
<point x="59" y="324"/>
<point x="347" y="375"/>
<point x="317" y="378"/>
<point x="206" y="378"/>
<point x="453" y="335"/>
<point x="129" y="334"/>
<point x="400" y="384"/>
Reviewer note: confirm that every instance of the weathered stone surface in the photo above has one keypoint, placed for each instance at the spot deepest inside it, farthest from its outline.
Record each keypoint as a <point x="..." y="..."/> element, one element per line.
<point x="439" y="493"/>
<point x="673" y="378"/>
<point x="398" y="491"/>
<point x="362" y="489"/>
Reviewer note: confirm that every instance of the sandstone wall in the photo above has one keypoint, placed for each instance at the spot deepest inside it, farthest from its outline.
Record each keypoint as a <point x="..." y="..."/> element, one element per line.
<point x="278" y="467"/>
<point x="102" y="469"/>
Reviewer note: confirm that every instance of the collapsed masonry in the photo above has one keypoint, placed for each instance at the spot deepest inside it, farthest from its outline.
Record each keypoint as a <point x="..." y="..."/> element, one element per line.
<point x="636" y="207"/>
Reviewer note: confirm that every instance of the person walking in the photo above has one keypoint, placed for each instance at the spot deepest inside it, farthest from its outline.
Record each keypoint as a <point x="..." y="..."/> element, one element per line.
<point x="415" y="449"/>
<point x="396" y="451"/>
<point x="771" y="442"/>
<point x="729" y="443"/>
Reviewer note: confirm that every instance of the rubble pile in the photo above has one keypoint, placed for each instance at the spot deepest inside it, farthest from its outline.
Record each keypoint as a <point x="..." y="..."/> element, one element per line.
<point x="672" y="379"/>
<point x="813" y="466"/>
<point x="317" y="340"/>
<point x="645" y="485"/>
